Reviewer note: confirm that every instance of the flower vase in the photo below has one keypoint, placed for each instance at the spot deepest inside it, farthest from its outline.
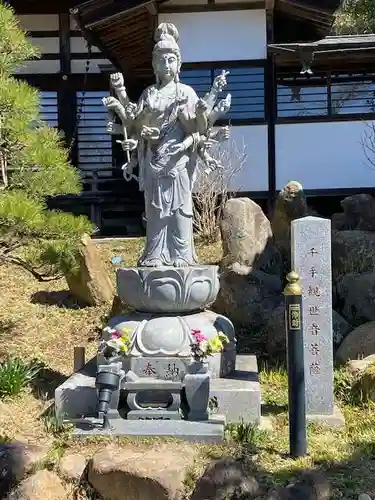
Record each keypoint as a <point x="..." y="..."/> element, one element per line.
<point x="197" y="390"/>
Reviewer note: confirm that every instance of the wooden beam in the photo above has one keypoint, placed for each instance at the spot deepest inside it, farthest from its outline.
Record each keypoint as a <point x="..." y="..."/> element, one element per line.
<point x="212" y="7"/>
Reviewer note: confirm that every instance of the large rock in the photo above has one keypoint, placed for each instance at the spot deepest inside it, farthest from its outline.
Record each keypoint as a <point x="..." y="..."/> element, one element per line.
<point x="356" y="297"/>
<point x="312" y="486"/>
<point x="247" y="238"/>
<point x="291" y="204"/>
<point x="357" y="366"/>
<point x="250" y="282"/>
<point x="249" y="300"/>
<point x="42" y="485"/>
<point x="91" y="284"/>
<point x="225" y="479"/>
<point x="156" y="474"/>
<point x="352" y="252"/>
<point x="72" y="467"/>
<point x="341" y="329"/>
<point x="358" y="213"/>
<point x="16" y="459"/>
<point x="360" y="343"/>
<point x="364" y="385"/>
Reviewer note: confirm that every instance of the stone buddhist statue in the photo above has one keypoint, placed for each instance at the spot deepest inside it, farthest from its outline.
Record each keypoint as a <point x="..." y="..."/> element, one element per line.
<point x="168" y="134"/>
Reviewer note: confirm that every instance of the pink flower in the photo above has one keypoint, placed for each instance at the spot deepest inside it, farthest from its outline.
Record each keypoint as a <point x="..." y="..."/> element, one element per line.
<point x="116" y="335"/>
<point x="198" y="336"/>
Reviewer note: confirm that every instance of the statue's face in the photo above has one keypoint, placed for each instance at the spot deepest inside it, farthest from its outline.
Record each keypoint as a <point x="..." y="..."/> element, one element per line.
<point x="166" y="65"/>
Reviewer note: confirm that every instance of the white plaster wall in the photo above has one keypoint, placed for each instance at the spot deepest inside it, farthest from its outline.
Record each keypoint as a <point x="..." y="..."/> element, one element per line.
<point x="323" y="155"/>
<point x="39" y="22"/>
<point x="220" y="36"/>
<point x="253" y="140"/>
<point x="39" y="66"/>
<point x="47" y="45"/>
<point x="78" y="45"/>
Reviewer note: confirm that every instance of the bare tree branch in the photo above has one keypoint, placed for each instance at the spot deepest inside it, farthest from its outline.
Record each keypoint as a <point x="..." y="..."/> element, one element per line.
<point x="212" y="191"/>
<point x="368" y="143"/>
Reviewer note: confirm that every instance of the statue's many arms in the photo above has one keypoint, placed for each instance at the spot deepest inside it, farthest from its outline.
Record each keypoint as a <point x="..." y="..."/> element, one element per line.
<point x="165" y="134"/>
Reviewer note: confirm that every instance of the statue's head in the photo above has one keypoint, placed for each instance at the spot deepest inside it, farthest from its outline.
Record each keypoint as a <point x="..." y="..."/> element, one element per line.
<point x="166" y="56"/>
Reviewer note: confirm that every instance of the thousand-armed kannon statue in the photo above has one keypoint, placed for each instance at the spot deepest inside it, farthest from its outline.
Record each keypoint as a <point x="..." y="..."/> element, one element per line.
<point x="165" y="134"/>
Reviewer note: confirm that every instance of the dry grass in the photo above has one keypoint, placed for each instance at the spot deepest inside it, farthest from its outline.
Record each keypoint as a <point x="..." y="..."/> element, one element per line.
<point x="41" y="320"/>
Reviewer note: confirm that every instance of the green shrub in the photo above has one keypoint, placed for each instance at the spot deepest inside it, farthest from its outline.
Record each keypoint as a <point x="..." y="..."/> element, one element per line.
<point x="16" y="374"/>
<point x="36" y="167"/>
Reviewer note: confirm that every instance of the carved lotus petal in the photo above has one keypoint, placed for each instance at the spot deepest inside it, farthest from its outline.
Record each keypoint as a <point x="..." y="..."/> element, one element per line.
<point x="161" y="337"/>
<point x="168" y="289"/>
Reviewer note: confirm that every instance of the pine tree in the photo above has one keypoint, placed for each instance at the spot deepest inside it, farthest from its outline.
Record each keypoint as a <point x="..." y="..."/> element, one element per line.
<point x="34" y="166"/>
<point x="355" y="17"/>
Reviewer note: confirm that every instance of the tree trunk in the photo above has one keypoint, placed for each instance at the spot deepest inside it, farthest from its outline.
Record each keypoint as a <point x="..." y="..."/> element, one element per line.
<point x="91" y="284"/>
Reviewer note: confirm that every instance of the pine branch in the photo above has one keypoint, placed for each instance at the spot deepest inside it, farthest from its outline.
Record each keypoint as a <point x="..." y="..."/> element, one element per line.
<point x="9" y="259"/>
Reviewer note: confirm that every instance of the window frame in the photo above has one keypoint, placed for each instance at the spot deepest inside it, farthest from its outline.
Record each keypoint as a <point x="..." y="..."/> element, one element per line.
<point x="329" y="79"/>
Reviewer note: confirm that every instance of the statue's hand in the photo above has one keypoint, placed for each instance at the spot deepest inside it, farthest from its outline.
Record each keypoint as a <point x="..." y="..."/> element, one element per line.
<point x="223" y="106"/>
<point x="201" y="107"/>
<point x="131" y="111"/>
<point x="207" y="144"/>
<point x="223" y="134"/>
<point x="172" y="173"/>
<point x="127" y="168"/>
<point x="128" y="144"/>
<point x="175" y="149"/>
<point x="117" y="81"/>
<point x="220" y="81"/>
<point x="150" y="132"/>
<point x="111" y="103"/>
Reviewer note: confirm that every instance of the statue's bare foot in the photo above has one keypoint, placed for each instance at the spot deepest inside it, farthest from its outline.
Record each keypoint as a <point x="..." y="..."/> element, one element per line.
<point x="180" y="263"/>
<point x="151" y="263"/>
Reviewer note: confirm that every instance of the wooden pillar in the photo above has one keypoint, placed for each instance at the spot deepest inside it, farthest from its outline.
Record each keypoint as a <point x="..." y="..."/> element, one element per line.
<point x="271" y="107"/>
<point x="66" y="93"/>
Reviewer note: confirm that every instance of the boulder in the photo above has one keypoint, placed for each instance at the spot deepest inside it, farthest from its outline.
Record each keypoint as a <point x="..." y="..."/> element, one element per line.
<point x="290" y="204"/>
<point x="312" y="486"/>
<point x="225" y="479"/>
<point x="352" y="252"/>
<point x="91" y="283"/>
<point x="364" y="386"/>
<point x="356" y="297"/>
<point x="249" y="300"/>
<point x="247" y="238"/>
<point x="17" y="459"/>
<point x="358" y="213"/>
<point x="72" y="466"/>
<point x="357" y="366"/>
<point x="360" y="343"/>
<point x="42" y="485"/>
<point x="157" y="473"/>
<point x="364" y="496"/>
<point x="341" y="329"/>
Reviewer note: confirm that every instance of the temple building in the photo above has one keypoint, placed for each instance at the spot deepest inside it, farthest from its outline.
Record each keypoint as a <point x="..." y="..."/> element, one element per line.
<point x="302" y="101"/>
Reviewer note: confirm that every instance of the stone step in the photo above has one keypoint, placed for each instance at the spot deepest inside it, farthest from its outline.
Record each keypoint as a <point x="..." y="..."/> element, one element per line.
<point x="208" y="432"/>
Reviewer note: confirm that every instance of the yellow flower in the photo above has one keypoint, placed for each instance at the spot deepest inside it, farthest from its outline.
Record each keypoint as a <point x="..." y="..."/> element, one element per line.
<point x="224" y="339"/>
<point x="216" y="344"/>
<point x="126" y="331"/>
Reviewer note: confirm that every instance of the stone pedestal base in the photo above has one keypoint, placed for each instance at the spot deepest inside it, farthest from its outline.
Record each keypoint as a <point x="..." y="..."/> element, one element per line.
<point x="236" y="397"/>
<point x="335" y="420"/>
<point x="161" y="344"/>
<point x="211" y="431"/>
